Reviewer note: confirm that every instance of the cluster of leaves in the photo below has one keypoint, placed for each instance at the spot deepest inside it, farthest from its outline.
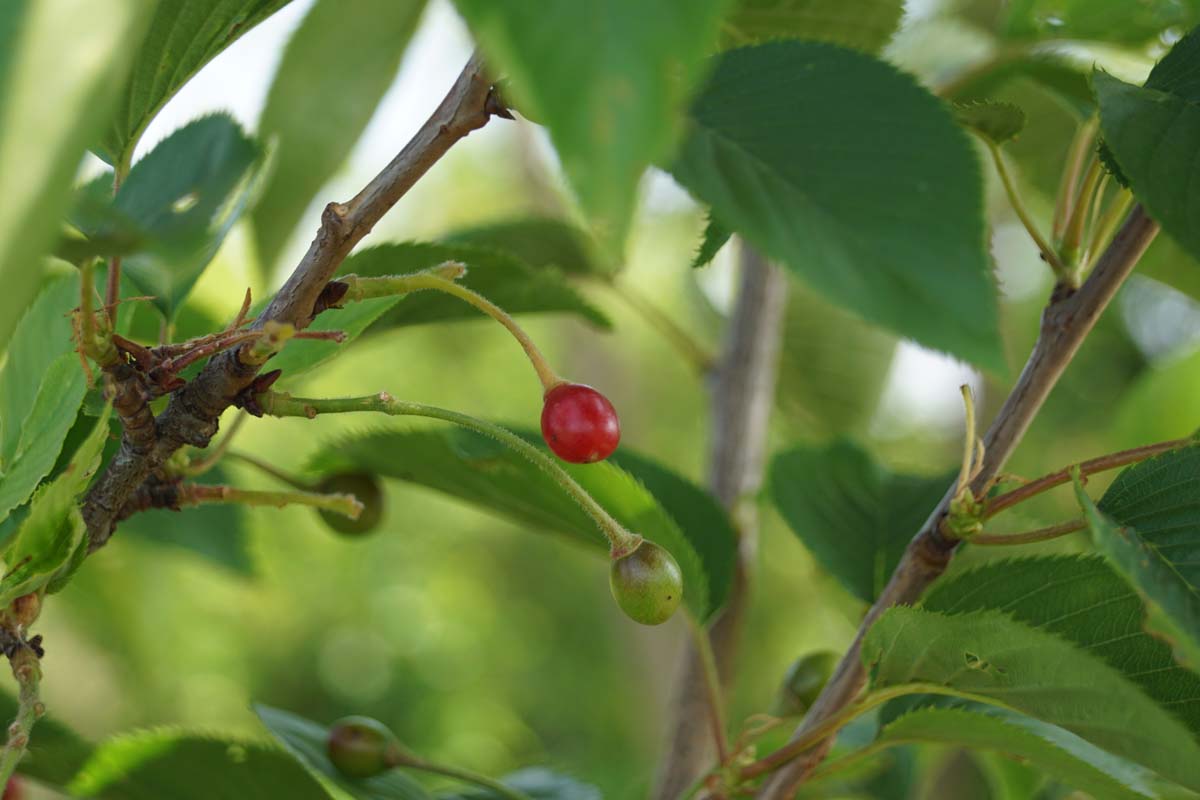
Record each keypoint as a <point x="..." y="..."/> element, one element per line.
<point x="782" y="119"/>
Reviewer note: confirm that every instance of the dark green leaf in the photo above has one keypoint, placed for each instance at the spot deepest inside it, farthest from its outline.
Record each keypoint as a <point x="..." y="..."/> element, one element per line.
<point x="1055" y="751"/>
<point x="41" y="386"/>
<point x="854" y="515"/>
<point x="305" y="741"/>
<point x="334" y="72"/>
<point x="1148" y="526"/>
<point x="59" y="60"/>
<point x="1116" y="21"/>
<point x="45" y="546"/>
<point x="1151" y="135"/>
<point x="178" y="204"/>
<point x="697" y="513"/>
<point x="716" y="236"/>
<point x="484" y="472"/>
<point x="988" y="656"/>
<point x="176" y="764"/>
<point x="217" y="532"/>
<point x="866" y="189"/>
<point x="183" y="36"/>
<point x="539" y="242"/>
<point x="997" y="122"/>
<point x="1082" y="600"/>
<point x="538" y="783"/>
<point x="607" y="78"/>
<point x="861" y="24"/>
<point x="510" y="283"/>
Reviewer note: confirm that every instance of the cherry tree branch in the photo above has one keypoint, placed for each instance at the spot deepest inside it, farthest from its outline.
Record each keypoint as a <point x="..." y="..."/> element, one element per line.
<point x="192" y="413"/>
<point x="1066" y="322"/>
<point x="743" y="392"/>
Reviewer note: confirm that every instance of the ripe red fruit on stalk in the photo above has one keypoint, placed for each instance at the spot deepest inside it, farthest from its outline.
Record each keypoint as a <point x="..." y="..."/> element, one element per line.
<point x="579" y="424"/>
<point x="13" y="790"/>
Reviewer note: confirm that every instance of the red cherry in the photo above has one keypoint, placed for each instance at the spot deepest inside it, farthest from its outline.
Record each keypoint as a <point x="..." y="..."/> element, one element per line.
<point x="579" y="424"/>
<point x="13" y="790"/>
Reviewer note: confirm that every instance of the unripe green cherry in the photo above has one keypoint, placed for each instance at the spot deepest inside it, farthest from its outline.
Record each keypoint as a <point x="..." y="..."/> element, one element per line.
<point x="365" y="487"/>
<point x="647" y="584"/>
<point x="361" y="747"/>
<point x="803" y="682"/>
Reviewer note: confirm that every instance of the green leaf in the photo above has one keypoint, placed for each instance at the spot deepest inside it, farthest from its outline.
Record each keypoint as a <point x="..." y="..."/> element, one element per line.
<point x="1117" y="21"/>
<point x="703" y="521"/>
<point x="1065" y="79"/>
<point x="832" y="368"/>
<point x="1055" y="751"/>
<point x="867" y="189"/>
<point x="305" y="741"/>
<point x="997" y="122"/>
<point x="56" y="752"/>
<point x="1149" y="528"/>
<point x="41" y="386"/>
<point x="485" y="473"/>
<point x="178" y="203"/>
<point x="538" y="783"/>
<point x="988" y="655"/>
<point x="716" y="236"/>
<point x="334" y="72"/>
<point x="1151" y="134"/>
<point x="218" y="533"/>
<point x="1082" y="600"/>
<point x="853" y="515"/>
<point x="183" y="765"/>
<point x="540" y="242"/>
<point x="862" y="24"/>
<point x="44" y="547"/>
<point x="513" y="284"/>
<point x="58" y="62"/>
<point x="607" y="78"/>
<point x="183" y="36"/>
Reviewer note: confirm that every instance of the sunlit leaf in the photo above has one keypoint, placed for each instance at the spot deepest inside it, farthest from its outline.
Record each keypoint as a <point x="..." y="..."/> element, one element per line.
<point x="335" y="70"/>
<point x="183" y="36"/>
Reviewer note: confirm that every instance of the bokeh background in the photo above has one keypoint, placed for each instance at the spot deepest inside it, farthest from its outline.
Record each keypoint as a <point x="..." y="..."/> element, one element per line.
<point x="488" y="645"/>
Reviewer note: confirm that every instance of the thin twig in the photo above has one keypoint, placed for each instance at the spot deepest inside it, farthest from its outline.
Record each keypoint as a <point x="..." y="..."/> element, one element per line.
<point x="1090" y="467"/>
<point x="1066" y="322"/>
<point x="193" y="411"/>
<point x="1028" y="537"/>
<point x="743" y="396"/>
<point x="27" y="669"/>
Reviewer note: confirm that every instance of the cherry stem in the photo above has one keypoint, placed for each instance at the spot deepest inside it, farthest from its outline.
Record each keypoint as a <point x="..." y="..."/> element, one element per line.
<point x="1100" y="464"/>
<point x="1073" y="234"/>
<point x="95" y="342"/>
<point x="683" y="342"/>
<point x="195" y="494"/>
<point x="1028" y="537"/>
<point x="467" y="776"/>
<point x="1080" y="145"/>
<point x="712" y="686"/>
<point x="269" y="469"/>
<point x="442" y="279"/>
<point x="1018" y="207"/>
<point x="280" y="404"/>
<point x="1107" y="224"/>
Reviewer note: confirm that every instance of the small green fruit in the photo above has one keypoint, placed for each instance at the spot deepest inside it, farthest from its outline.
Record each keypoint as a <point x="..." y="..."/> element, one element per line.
<point x="647" y="584"/>
<point x="361" y="747"/>
<point x="365" y="487"/>
<point x="803" y="682"/>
